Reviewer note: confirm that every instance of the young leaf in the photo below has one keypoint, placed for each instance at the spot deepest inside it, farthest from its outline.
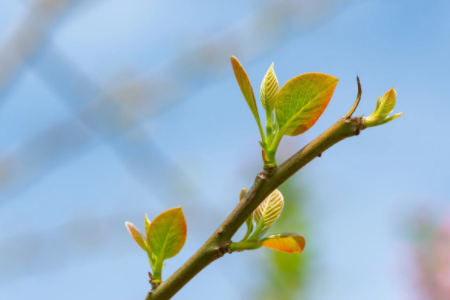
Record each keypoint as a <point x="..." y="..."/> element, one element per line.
<point x="384" y="108"/>
<point x="285" y="242"/>
<point x="137" y="236"/>
<point x="247" y="91"/>
<point x="246" y="87"/>
<point x="167" y="233"/>
<point x="268" y="212"/>
<point x="269" y="90"/>
<point x="387" y="103"/>
<point x="302" y="100"/>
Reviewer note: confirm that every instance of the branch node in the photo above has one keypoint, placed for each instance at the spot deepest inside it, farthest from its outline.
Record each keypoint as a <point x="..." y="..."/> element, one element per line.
<point x="155" y="284"/>
<point x="358" y="122"/>
<point x="319" y="155"/>
<point x="262" y="175"/>
<point x="221" y="250"/>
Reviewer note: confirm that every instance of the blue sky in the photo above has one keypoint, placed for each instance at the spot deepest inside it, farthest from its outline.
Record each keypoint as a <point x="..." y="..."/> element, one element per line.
<point x="361" y="191"/>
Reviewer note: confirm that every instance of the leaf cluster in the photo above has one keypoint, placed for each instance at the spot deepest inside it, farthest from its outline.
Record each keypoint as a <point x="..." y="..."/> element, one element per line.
<point x="291" y="110"/>
<point x="261" y="220"/>
<point x="163" y="239"/>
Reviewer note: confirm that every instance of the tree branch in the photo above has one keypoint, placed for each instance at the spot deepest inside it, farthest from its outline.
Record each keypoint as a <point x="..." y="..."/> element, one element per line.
<point x="267" y="181"/>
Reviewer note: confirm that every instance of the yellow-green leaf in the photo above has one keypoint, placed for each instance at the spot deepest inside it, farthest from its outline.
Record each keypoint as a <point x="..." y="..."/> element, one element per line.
<point x="285" y="242"/>
<point x="388" y="119"/>
<point x="269" y="90"/>
<point x="137" y="236"/>
<point x="268" y="212"/>
<point x="246" y="87"/>
<point x="167" y="233"/>
<point x="384" y="108"/>
<point x="302" y="100"/>
<point x="387" y="103"/>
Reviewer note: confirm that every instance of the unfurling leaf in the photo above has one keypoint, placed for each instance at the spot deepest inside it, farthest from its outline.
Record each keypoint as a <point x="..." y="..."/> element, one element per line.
<point x="387" y="103"/>
<point x="137" y="236"/>
<point x="268" y="212"/>
<point x="302" y="100"/>
<point x="167" y="234"/>
<point x="269" y="90"/>
<point x="246" y="87"/>
<point x="384" y="108"/>
<point x="285" y="242"/>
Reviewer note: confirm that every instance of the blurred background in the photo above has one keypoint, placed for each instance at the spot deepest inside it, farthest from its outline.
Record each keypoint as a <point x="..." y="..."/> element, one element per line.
<point x="110" y="109"/>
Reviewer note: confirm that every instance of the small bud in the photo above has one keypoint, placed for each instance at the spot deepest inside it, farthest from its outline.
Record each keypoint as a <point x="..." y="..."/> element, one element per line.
<point x="384" y="108"/>
<point x="242" y="194"/>
<point x="249" y="221"/>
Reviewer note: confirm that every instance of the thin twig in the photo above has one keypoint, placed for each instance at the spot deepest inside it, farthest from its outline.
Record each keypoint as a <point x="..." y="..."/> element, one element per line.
<point x="267" y="181"/>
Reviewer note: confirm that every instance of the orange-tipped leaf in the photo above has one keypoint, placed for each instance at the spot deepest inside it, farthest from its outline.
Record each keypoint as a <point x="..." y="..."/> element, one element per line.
<point x="285" y="242"/>
<point x="302" y="100"/>
<point x="246" y="87"/>
<point x="137" y="236"/>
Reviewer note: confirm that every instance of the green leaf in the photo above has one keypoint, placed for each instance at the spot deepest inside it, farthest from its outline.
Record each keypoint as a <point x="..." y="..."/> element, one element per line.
<point x="389" y="119"/>
<point x="137" y="236"/>
<point x="285" y="242"/>
<point x="268" y="212"/>
<point x="167" y="233"/>
<point x="269" y="90"/>
<point x="302" y="100"/>
<point x="387" y="103"/>
<point x="151" y="257"/>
